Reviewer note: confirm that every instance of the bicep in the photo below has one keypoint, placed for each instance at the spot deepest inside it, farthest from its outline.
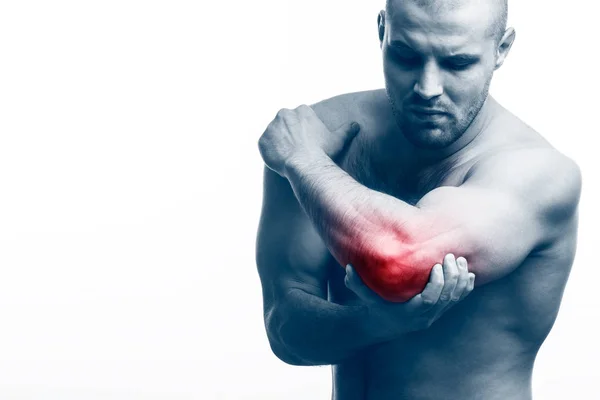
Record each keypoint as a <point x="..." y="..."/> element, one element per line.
<point x="510" y="206"/>
<point x="495" y="231"/>
<point x="289" y="252"/>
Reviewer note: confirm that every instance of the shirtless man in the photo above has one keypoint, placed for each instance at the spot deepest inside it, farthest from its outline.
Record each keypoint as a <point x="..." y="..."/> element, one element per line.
<point x="371" y="233"/>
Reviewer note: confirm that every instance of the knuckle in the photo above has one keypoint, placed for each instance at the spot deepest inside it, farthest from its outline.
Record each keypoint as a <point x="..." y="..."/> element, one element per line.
<point x="428" y="302"/>
<point x="449" y="258"/>
<point x="453" y="275"/>
<point x="282" y="113"/>
<point x="262" y="144"/>
<point x="303" y="110"/>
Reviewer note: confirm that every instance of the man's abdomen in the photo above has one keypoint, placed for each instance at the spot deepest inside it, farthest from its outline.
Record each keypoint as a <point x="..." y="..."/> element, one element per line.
<point x="460" y="357"/>
<point x="483" y="348"/>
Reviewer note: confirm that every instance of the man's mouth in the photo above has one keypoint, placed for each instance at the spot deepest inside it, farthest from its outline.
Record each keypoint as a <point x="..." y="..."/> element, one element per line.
<point x="427" y="111"/>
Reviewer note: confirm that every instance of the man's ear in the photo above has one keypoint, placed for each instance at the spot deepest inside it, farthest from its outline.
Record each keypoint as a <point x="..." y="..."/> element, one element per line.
<point x="504" y="46"/>
<point x="381" y="26"/>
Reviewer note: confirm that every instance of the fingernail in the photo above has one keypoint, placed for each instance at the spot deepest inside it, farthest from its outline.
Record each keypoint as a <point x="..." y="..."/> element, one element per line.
<point x="355" y="127"/>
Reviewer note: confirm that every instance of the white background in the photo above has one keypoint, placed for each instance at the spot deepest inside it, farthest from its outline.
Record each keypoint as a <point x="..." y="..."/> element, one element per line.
<point x="130" y="185"/>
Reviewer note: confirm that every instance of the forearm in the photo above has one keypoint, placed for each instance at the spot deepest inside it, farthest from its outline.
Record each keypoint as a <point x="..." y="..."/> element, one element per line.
<point x="350" y="217"/>
<point x="314" y="331"/>
<point x="392" y="244"/>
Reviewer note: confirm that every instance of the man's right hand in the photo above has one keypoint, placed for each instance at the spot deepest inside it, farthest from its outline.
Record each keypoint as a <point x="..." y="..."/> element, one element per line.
<point x="448" y="284"/>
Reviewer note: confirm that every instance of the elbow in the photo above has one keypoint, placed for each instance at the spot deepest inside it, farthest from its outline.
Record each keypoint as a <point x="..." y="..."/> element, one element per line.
<point x="397" y="266"/>
<point x="400" y="275"/>
<point x="292" y="343"/>
<point x="284" y="355"/>
<point x="397" y="281"/>
<point x="281" y="351"/>
<point x="280" y="343"/>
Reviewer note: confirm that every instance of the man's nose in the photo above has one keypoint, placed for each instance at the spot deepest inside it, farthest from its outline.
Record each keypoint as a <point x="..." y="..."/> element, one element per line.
<point x="429" y="84"/>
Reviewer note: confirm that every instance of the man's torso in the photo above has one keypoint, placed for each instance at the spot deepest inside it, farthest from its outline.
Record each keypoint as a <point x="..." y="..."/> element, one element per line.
<point x="483" y="348"/>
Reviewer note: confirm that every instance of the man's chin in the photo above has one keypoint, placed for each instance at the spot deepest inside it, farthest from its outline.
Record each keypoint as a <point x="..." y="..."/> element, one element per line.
<point x="428" y="138"/>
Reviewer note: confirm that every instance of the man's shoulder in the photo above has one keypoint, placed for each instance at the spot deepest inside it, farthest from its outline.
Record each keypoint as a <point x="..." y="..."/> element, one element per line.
<point x="526" y="162"/>
<point x="539" y="175"/>
<point x="363" y="107"/>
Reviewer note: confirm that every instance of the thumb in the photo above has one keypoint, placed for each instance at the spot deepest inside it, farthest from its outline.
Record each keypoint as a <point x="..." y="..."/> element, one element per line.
<point x="341" y="139"/>
<point x="348" y="130"/>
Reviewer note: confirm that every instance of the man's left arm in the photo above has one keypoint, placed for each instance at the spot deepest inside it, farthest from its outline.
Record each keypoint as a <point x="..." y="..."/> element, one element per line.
<point x="509" y="205"/>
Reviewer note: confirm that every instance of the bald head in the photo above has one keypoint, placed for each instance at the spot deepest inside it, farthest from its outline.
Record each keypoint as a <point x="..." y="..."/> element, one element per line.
<point x="441" y="55"/>
<point x="497" y="9"/>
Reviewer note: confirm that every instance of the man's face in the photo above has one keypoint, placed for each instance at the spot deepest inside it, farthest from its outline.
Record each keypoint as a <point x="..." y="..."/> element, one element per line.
<point x="438" y="65"/>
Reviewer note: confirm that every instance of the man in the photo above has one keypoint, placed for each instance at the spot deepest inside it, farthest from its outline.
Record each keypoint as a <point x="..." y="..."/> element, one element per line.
<point x="383" y="209"/>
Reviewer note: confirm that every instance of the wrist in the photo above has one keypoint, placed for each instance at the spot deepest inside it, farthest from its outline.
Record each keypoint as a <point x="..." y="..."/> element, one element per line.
<point x="382" y="327"/>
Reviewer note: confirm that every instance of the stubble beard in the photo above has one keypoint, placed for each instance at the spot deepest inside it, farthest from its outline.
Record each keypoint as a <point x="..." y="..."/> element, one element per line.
<point x="440" y="136"/>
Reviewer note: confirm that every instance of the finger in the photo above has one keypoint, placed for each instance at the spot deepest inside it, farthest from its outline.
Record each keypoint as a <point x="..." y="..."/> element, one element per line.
<point x="471" y="284"/>
<point x="304" y="109"/>
<point x="433" y="289"/>
<point x="348" y="130"/>
<point x="354" y="282"/>
<point x="463" y="279"/>
<point x="450" y="277"/>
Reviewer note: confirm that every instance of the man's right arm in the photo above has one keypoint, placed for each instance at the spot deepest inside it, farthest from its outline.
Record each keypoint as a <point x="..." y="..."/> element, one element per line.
<point x="302" y="326"/>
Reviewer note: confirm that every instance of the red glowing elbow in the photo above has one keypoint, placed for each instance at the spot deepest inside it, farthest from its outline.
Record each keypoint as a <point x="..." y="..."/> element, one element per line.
<point x="396" y="262"/>
<point x="395" y="277"/>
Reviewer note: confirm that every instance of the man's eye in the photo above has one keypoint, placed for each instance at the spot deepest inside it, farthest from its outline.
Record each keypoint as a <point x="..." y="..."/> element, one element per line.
<point x="408" y="60"/>
<point x="458" y="66"/>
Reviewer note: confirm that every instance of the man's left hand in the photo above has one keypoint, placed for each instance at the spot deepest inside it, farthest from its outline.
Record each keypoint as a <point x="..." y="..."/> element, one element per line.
<point x="298" y="133"/>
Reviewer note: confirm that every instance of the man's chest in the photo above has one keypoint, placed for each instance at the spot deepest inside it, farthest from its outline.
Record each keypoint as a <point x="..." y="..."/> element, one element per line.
<point x="406" y="182"/>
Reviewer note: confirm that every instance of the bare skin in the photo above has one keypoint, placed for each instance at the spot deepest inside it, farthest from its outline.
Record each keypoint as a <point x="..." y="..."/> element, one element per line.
<point x="494" y="335"/>
<point x="483" y="347"/>
<point x="437" y="167"/>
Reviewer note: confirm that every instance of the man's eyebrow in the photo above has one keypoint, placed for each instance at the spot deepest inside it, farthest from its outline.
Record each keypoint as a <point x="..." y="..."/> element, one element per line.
<point x="463" y="57"/>
<point x="399" y="43"/>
